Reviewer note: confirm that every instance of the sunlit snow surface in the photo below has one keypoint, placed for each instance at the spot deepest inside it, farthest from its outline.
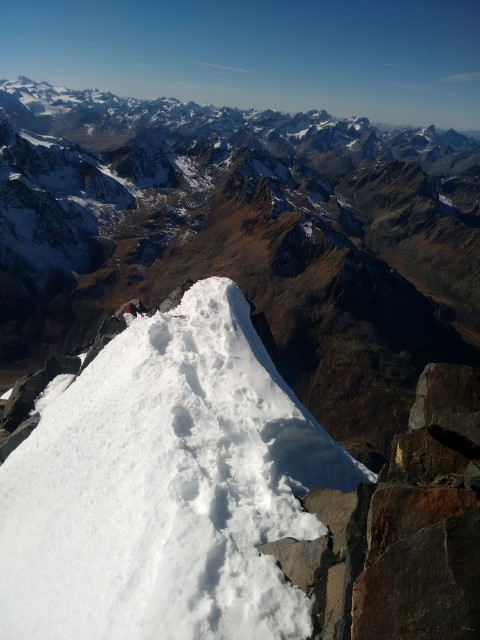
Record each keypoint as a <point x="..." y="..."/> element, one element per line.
<point x="133" y="510"/>
<point x="53" y="389"/>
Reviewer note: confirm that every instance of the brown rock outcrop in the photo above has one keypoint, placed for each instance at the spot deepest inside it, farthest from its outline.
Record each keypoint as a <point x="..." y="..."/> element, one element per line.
<point x="332" y="614"/>
<point x="448" y="404"/>
<point x="445" y="390"/>
<point x="423" y="587"/>
<point x="355" y="560"/>
<point x="420" y="575"/>
<point x="399" y="512"/>
<point x="460" y="432"/>
<point x="418" y="459"/>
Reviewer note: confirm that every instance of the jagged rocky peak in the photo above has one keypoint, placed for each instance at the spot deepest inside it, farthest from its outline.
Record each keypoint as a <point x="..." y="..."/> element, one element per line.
<point x="429" y="133"/>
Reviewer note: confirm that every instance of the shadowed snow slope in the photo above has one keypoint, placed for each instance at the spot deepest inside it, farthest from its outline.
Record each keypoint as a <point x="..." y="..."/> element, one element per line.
<point x="133" y="510"/>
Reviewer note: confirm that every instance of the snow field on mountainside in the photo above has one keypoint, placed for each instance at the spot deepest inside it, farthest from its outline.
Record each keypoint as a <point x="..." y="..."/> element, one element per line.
<point x="37" y="140"/>
<point x="133" y="509"/>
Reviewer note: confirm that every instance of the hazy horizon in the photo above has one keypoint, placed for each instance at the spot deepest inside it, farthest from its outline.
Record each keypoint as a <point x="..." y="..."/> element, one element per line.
<point x="386" y="125"/>
<point x="399" y="63"/>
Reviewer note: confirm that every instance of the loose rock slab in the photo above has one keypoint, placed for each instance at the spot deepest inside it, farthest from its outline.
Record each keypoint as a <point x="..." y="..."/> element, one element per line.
<point x="301" y="560"/>
<point x="334" y="508"/>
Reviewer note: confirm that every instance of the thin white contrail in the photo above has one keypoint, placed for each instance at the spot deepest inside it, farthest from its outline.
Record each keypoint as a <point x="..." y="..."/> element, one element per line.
<point x="221" y="66"/>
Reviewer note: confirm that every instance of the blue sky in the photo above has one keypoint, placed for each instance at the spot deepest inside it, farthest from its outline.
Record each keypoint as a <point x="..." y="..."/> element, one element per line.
<point x="411" y="62"/>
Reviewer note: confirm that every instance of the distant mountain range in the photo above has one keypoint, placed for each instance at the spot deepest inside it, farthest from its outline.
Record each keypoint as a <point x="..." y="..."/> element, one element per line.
<point x="360" y="245"/>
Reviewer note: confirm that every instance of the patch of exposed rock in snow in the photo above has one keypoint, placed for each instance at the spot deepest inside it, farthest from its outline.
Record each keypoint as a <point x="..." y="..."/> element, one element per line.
<point x="133" y="509"/>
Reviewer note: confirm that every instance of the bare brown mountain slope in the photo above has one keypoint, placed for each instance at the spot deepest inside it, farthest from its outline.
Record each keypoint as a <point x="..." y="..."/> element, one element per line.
<point x="425" y="238"/>
<point x="358" y="298"/>
<point x="351" y="333"/>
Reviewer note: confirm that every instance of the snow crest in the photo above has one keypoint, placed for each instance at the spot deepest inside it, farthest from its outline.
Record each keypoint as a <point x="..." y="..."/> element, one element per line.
<point x="133" y="510"/>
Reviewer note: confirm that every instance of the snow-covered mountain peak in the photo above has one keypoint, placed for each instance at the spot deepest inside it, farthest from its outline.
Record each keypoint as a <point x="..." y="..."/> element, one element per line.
<point x="142" y="493"/>
<point x="43" y="99"/>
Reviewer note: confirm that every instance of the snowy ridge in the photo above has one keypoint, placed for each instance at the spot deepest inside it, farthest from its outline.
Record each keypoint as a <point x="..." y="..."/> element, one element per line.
<point x="42" y="99"/>
<point x="133" y="510"/>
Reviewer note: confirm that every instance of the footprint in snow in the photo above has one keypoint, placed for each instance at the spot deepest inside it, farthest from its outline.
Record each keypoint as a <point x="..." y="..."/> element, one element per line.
<point x="191" y="378"/>
<point x="189" y="342"/>
<point x="182" y="422"/>
<point x="159" y="336"/>
<point x="190" y="490"/>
